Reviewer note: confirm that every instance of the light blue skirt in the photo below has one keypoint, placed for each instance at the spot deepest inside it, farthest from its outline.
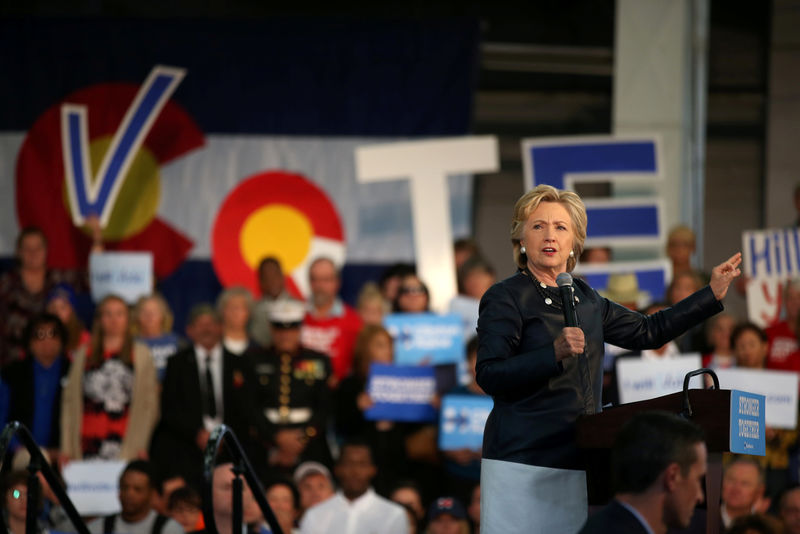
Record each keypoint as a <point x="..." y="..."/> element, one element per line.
<point x="531" y="499"/>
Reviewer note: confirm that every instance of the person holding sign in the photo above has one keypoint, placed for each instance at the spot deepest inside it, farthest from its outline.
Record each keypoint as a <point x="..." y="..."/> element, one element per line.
<point x="543" y="372"/>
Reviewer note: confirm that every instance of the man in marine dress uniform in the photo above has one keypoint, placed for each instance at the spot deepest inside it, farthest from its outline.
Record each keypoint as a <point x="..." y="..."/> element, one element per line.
<point x="293" y="392"/>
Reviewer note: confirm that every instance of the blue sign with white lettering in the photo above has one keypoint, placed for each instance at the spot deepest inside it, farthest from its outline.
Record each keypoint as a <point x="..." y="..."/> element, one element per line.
<point x="426" y="338"/>
<point x="747" y="423"/>
<point x="462" y="420"/>
<point x="401" y="393"/>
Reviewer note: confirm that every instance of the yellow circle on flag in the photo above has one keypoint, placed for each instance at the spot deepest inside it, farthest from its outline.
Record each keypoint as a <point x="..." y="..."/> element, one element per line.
<point x="138" y="198"/>
<point x="277" y="230"/>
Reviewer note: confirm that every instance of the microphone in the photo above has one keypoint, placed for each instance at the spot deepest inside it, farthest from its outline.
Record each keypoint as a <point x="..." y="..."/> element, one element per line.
<point x="564" y="281"/>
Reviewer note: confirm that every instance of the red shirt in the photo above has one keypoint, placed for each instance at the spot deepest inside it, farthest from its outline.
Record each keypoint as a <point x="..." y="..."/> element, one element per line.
<point x="782" y="343"/>
<point x="334" y="335"/>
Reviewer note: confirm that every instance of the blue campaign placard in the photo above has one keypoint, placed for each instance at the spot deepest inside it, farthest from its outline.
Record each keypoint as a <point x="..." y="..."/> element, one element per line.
<point x="401" y="393"/>
<point x="747" y="423"/>
<point x="462" y="420"/>
<point x="426" y="338"/>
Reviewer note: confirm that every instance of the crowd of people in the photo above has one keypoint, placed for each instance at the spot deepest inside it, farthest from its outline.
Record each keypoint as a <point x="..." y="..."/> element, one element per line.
<point x="290" y="379"/>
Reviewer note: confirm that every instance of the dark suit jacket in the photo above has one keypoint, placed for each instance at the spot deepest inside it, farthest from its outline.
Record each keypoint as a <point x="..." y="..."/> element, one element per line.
<point x="18" y="376"/>
<point x="174" y="448"/>
<point x="613" y="519"/>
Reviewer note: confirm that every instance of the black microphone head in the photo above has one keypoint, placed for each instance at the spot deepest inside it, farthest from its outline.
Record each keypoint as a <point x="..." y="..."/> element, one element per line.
<point x="564" y="280"/>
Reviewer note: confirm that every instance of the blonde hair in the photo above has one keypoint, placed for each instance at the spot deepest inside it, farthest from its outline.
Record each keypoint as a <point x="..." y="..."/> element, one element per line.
<point x="682" y="232"/>
<point x="370" y="292"/>
<point x="166" y="313"/>
<point x="528" y="203"/>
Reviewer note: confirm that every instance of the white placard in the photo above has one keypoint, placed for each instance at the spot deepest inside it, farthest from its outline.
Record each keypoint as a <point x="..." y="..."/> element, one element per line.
<point x="126" y="274"/>
<point x="779" y="387"/>
<point x="639" y="380"/>
<point x="93" y="486"/>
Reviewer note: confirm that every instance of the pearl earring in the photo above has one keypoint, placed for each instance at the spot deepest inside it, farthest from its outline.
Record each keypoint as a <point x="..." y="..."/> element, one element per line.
<point x="522" y="249"/>
<point x="571" y="253"/>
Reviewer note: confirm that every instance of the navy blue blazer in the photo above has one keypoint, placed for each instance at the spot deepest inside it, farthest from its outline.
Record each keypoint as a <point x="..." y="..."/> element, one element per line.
<point x="537" y="400"/>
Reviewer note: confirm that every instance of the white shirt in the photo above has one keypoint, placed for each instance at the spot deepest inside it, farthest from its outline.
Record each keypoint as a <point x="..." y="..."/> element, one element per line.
<point x="368" y="514"/>
<point x="145" y="526"/>
<point x="236" y="346"/>
<point x="216" y="377"/>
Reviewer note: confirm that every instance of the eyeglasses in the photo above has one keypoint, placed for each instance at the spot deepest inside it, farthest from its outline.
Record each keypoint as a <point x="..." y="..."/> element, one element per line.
<point x="44" y="333"/>
<point x="412" y="290"/>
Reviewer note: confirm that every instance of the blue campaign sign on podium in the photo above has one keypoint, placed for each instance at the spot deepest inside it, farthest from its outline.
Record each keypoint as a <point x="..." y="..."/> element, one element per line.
<point x="564" y="161"/>
<point x="747" y="423"/>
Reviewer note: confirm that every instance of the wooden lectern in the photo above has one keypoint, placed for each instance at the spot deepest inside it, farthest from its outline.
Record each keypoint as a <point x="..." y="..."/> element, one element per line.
<point x="708" y="408"/>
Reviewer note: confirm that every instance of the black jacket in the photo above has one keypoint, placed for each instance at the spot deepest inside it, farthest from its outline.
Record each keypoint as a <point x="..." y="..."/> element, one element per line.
<point x="613" y="519"/>
<point x="174" y="447"/>
<point x="536" y="399"/>
<point x="18" y="376"/>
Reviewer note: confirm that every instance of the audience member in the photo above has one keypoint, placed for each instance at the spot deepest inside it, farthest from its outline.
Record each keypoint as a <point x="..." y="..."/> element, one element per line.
<point x="782" y="351"/>
<point x="386" y="438"/>
<point x="658" y="464"/>
<point x="412" y="297"/>
<point x="719" y="329"/>
<point x="293" y="392"/>
<point x="136" y="491"/>
<point x="370" y="305"/>
<point x="166" y="484"/>
<point x="62" y="303"/>
<point x="750" y="347"/>
<point x="684" y="284"/>
<point x="474" y="277"/>
<point x="15" y="502"/>
<point x="474" y="509"/>
<point x="273" y="289"/>
<point x="389" y="282"/>
<point x="408" y="494"/>
<point x="330" y="326"/>
<point x="464" y="249"/>
<point x="284" y="500"/>
<point x="234" y="306"/>
<point x="52" y="515"/>
<point x="23" y="290"/>
<point x="110" y="402"/>
<point x="743" y="486"/>
<point x="33" y="385"/>
<point x="314" y="484"/>
<point x="789" y="510"/>
<point x="222" y="499"/>
<point x="755" y="524"/>
<point x="356" y="508"/>
<point x="153" y="327"/>
<point x="623" y="288"/>
<point x="596" y="255"/>
<point x="185" y="507"/>
<point x="463" y="466"/>
<point x="204" y="385"/>
<point x="447" y="516"/>
<point x="680" y="247"/>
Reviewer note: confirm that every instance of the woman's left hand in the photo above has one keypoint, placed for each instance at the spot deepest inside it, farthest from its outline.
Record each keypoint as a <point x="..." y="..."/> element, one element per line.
<point x="723" y="274"/>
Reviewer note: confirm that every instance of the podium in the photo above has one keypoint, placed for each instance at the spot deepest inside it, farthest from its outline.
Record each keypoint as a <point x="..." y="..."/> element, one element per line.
<point x="707" y="408"/>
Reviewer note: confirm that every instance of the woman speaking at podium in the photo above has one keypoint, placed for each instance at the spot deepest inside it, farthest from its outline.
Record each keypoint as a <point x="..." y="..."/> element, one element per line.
<point x="543" y="374"/>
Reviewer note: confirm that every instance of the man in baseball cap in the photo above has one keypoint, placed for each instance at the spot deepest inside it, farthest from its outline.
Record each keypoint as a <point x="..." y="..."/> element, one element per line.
<point x="314" y="482"/>
<point x="447" y="516"/>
